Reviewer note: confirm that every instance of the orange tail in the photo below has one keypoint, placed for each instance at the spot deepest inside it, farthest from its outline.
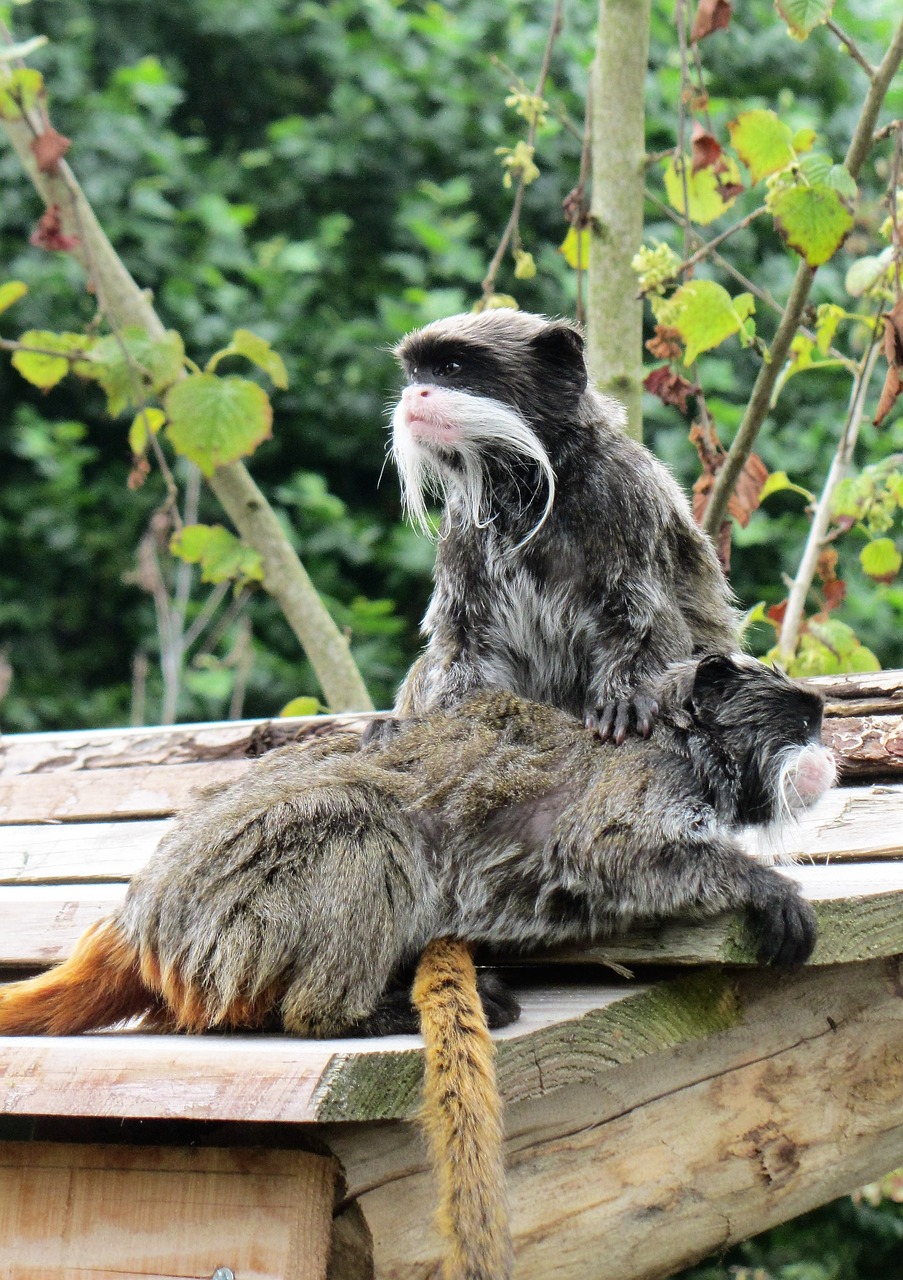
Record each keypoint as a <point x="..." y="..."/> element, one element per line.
<point x="98" y="985"/>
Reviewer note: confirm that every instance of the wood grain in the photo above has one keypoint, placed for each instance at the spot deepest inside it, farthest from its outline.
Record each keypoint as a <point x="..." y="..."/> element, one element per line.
<point x="77" y="852"/>
<point x="86" y="1213"/>
<point x="135" y="791"/>
<point x="659" y="1162"/>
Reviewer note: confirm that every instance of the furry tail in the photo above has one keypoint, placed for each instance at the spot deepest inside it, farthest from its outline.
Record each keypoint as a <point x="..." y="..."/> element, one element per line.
<point x="100" y="984"/>
<point x="462" y="1115"/>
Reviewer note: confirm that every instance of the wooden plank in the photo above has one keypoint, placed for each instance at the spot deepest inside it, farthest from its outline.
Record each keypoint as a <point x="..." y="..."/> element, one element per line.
<point x="77" y="852"/>
<point x="859" y="907"/>
<point x="135" y="791"/>
<point x="866" y="746"/>
<point x="92" y="1213"/>
<point x="40" y="924"/>
<point x="657" y="1163"/>
<point x="849" y="823"/>
<point x="278" y="1078"/>
<point x="88" y="749"/>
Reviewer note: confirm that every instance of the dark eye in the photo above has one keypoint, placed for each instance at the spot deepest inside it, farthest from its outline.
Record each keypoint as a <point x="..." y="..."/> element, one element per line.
<point x="448" y="368"/>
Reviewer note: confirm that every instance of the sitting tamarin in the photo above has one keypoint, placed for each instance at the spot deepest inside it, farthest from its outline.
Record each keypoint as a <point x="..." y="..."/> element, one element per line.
<point x="294" y="895"/>
<point x="569" y="568"/>
<point x="298" y="894"/>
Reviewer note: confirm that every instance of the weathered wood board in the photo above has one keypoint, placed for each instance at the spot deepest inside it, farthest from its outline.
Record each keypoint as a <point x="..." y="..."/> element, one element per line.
<point x="163" y="1213"/>
<point x="652" y="1165"/>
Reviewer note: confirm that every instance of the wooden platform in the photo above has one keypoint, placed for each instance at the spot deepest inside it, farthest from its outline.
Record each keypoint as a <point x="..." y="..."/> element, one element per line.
<point x="701" y="1092"/>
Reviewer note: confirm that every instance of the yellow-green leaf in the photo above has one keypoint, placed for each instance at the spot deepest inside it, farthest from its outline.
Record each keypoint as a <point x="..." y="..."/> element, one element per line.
<point x="258" y="351"/>
<point x="302" y="707"/>
<point x="215" y="420"/>
<point x="881" y="560"/>
<point x="813" y="220"/>
<point x="221" y="555"/>
<point x="778" y="482"/>
<point x="19" y="91"/>
<point x="575" y="248"/>
<point x="11" y="292"/>
<point x="828" y="317"/>
<point x="763" y="142"/>
<point x="147" y="422"/>
<point x="804" y="140"/>
<point x="44" y="370"/>
<point x="703" y="193"/>
<point x="131" y="365"/>
<point x="705" y="315"/>
<point x="802" y="16"/>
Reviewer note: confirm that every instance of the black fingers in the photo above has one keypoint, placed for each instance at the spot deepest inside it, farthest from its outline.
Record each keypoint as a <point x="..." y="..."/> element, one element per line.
<point x="787" y="930"/>
<point x="614" y="720"/>
<point x="499" y="1002"/>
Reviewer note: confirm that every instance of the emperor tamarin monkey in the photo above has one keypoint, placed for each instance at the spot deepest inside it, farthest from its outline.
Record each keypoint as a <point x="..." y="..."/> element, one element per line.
<point x="569" y="568"/>
<point x="296" y="894"/>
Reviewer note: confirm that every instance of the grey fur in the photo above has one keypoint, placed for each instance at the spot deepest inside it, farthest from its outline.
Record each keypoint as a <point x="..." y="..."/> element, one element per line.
<point x="582" y="605"/>
<point x="317" y="877"/>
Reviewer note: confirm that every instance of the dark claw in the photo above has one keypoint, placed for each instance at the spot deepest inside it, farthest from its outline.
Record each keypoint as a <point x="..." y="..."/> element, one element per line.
<point x="788" y="931"/>
<point x="615" y="720"/>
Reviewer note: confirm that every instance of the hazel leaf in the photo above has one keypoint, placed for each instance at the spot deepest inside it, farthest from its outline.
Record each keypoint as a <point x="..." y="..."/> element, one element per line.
<point x="881" y="560"/>
<point x="221" y="556"/>
<point x="705" y="315"/>
<point x="706" y="203"/>
<point x="43" y="370"/>
<point x="802" y="16"/>
<point x="763" y="142"/>
<point x="813" y="220"/>
<point x="11" y="292"/>
<point x="214" y="420"/>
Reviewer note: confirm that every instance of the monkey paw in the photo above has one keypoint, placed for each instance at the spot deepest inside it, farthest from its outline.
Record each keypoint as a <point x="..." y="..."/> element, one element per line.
<point x="787" y="928"/>
<point x="614" y="720"/>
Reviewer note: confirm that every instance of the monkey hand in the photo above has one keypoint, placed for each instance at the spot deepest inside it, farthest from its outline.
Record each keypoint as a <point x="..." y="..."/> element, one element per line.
<point x="785" y="922"/>
<point x="615" y="719"/>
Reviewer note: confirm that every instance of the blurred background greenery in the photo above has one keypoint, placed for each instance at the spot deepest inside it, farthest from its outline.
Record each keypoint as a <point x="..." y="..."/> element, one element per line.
<point x="325" y="175"/>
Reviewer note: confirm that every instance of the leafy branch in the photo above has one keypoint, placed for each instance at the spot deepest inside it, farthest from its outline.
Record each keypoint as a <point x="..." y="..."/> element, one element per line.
<point x="760" y="400"/>
<point x="71" y="225"/>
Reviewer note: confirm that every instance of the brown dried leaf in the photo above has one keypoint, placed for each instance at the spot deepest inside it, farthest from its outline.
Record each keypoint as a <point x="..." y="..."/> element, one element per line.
<point x="745" y="497"/>
<point x="705" y="150"/>
<point x="49" y="234"/>
<point x="670" y="387"/>
<point x="826" y="565"/>
<point x="139" y="472"/>
<point x="776" y="613"/>
<point x="711" y="15"/>
<point x="833" y="594"/>
<point x="893" y="350"/>
<point x="666" y="344"/>
<point x="49" y="148"/>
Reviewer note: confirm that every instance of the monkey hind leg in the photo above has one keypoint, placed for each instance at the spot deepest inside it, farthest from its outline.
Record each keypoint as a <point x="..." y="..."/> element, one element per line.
<point x="462" y="1115"/>
<point x="99" y="985"/>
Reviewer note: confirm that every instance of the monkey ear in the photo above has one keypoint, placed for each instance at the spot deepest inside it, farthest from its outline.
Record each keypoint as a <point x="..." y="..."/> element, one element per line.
<point x="560" y="344"/>
<point x="713" y="672"/>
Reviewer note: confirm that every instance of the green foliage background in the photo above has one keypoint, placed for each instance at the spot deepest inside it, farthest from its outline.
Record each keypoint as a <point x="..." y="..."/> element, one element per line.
<point x="325" y="175"/>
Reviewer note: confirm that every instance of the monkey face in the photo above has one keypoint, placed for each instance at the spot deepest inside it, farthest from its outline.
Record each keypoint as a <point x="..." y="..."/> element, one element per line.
<point x="771" y="727"/>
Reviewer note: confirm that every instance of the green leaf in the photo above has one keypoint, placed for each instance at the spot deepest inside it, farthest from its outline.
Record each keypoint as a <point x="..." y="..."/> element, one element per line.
<point x="779" y="482"/>
<point x="215" y="420"/>
<point x="131" y="365"/>
<point x="703" y="194"/>
<point x="145" y="423"/>
<point x="302" y="707"/>
<point x="575" y="248"/>
<point x="881" y="560"/>
<point x="705" y="315"/>
<point x="802" y="16"/>
<point x="11" y="292"/>
<point x="813" y="220"/>
<point x="19" y="91"/>
<point x="804" y="140"/>
<point x="828" y="317"/>
<point x="45" y="371"/>
<point x="258" y="351"/>
<point x="221" y="555"/>
<point x="763" y="142"/>
<point x="850" y="498"/>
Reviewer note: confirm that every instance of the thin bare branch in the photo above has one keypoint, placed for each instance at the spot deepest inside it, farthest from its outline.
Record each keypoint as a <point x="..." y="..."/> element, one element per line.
<point x="855" y="52"/>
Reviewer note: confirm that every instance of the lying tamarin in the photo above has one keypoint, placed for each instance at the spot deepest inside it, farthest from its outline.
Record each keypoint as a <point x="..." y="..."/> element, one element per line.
<point x="569" y="568"/>
<point x="297" y="895"/>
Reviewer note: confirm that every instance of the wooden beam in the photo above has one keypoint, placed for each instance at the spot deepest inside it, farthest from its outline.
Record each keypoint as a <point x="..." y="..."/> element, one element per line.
<point x="77" y="852"/>
<point x="657" y="1163"/>
<point x="100" y="1212"/>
